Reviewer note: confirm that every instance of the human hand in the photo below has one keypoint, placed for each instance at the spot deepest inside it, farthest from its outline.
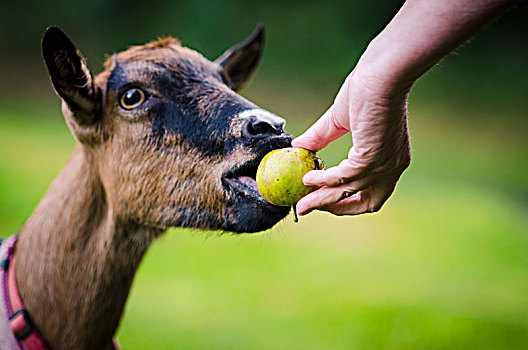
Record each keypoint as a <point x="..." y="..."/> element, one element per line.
<point x="376" y="117"/>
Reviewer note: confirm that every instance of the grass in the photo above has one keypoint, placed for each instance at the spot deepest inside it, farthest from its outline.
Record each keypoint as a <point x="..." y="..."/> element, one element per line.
<point x="443" y="266"/>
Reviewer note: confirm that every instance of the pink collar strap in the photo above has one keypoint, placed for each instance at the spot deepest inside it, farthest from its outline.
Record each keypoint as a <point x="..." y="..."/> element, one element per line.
<point x="19" y="321"/>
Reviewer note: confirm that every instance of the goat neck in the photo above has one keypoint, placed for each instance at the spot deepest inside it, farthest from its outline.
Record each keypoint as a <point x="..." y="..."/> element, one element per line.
<point x="76" y="260"/>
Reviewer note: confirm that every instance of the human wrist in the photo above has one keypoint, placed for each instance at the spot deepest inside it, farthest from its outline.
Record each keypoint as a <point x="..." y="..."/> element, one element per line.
<point x="381" y="70"/>
<point x="370" y="83"/>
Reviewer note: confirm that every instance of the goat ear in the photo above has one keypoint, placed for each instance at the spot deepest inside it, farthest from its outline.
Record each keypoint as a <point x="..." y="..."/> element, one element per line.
<point x="70" y="76"/>
<point x="241" y="61"/>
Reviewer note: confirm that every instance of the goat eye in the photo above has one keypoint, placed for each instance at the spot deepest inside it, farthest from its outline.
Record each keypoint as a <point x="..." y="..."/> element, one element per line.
<point x="132" y="98"/>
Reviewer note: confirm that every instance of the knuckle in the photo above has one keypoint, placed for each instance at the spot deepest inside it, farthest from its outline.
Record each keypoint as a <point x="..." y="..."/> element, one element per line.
<point x="334" y="178"/>
<point x="317" y="198"/>
<point x="361" y="158"/>
<point x="324" y="197"/>
<point x="350" y="169"/>
<point x="325" y="177"/>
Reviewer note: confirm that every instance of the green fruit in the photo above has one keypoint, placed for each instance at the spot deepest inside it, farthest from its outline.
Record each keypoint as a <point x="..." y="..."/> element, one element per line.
<point x="280" y="173"/>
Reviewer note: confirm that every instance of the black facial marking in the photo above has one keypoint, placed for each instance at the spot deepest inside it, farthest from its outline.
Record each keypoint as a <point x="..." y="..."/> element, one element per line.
<point x="158" y="129"/>
<point x="190" y="217"/>
<point x="118" y="77"/>
<point x="204" y="125"/>
<point x="241" y="217"/>
<point x="195" y="103"/>
<point x="190" y="105"/>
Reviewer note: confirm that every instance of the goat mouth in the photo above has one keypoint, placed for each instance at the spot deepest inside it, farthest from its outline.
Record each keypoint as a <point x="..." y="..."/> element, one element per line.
<point x="246" y="210"/>
<point x="241" y="179"/>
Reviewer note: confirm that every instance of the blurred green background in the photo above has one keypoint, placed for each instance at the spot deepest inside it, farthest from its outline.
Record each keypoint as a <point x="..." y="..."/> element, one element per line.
<point x="444" y="265"/>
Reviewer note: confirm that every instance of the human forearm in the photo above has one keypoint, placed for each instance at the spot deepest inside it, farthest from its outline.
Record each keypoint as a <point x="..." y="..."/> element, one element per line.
<point x="420" y="35"/>
<point x="371" y="103"/>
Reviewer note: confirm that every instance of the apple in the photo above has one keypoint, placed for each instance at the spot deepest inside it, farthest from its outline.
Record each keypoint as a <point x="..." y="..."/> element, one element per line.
<point x="280" y="173"/>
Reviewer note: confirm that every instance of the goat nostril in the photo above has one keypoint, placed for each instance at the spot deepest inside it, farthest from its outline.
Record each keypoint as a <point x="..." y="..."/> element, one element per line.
<point x="259" y="128"/>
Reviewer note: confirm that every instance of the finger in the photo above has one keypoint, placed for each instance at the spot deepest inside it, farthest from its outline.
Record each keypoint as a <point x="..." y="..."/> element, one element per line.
<point x="329" y="195"/>
<point x="314" y="178"/>
<point x="348" y="170"/>
<point x="369" y="200"/>
<point x="321" y="133"/>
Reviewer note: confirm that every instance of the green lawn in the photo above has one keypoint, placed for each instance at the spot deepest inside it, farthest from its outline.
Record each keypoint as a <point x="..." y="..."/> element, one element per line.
<point x="444" y="265"/>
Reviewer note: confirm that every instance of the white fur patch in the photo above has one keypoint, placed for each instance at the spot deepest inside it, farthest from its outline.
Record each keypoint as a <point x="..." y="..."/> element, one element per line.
<point x="262" y="115"/>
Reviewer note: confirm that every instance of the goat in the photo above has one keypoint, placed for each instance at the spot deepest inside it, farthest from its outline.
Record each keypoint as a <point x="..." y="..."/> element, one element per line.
<point x="163" y="140"/>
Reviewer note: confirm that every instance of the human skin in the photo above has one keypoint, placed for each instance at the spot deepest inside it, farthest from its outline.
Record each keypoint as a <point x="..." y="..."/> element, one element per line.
<point x="372" y="103"/>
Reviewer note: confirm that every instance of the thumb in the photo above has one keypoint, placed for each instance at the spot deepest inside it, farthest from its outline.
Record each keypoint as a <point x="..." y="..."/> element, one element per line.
<point x="321" y="133"/>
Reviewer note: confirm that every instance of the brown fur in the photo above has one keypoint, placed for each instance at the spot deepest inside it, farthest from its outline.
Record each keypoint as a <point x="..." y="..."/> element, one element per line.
<point x="126" y="183"/>
<point x="76" y="260"/>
